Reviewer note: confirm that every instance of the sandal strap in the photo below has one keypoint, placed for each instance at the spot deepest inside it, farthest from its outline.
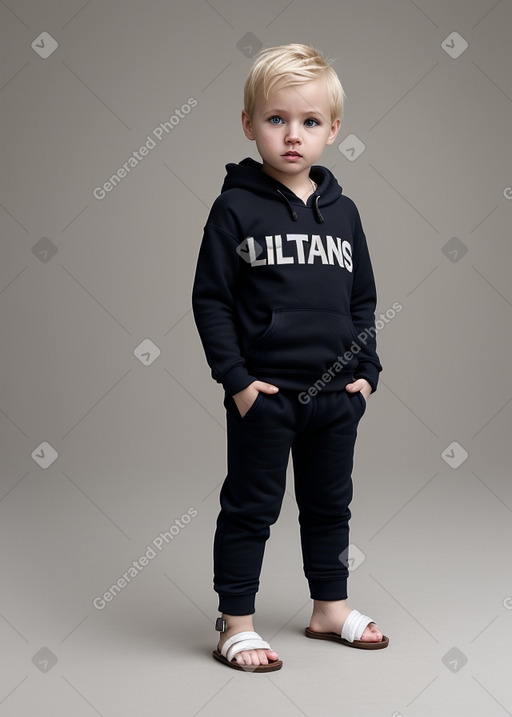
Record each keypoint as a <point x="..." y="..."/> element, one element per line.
<point x="355" y="625"/>
<point x="243" y="641"/>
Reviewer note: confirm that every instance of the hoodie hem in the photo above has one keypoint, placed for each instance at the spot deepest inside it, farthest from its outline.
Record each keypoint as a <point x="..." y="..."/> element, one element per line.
<point x="312" y="382"/>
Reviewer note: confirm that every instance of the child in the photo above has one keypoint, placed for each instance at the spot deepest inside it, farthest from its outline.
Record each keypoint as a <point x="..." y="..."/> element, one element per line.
<point x="284" y="300"/>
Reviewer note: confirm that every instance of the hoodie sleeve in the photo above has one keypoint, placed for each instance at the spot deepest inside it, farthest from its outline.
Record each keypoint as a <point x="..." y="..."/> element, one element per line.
<point x="362" y="307"/>
<point x="213" y="303"/>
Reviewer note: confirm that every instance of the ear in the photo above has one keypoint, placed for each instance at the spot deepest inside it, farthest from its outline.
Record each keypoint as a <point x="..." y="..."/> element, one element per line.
<point x="247" y="125"/>
<point x="335" y="128"/>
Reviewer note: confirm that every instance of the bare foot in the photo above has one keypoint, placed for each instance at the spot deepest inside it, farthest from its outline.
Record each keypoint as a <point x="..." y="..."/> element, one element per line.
<point x="243" y="623"/>
<point x="330" y="615"/>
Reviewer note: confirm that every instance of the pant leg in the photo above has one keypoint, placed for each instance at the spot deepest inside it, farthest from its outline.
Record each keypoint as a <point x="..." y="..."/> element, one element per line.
<point x="323" y="460"/>
<point x="251" y="497"/>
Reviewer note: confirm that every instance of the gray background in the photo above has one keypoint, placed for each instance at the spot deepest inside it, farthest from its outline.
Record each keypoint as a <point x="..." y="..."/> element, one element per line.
<point x="140" y="441"/>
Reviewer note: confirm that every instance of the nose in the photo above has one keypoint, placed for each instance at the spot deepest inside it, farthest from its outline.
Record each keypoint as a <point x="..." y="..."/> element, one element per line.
<point x="293" y="134"/>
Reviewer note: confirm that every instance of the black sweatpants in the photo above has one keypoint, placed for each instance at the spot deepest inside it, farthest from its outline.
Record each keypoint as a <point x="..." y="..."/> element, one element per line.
<point x="321" y="434"/>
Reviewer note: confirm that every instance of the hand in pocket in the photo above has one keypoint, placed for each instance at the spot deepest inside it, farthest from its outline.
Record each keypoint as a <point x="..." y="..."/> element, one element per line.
<point x="362" y="386"/>
<point x="244" y="399"/>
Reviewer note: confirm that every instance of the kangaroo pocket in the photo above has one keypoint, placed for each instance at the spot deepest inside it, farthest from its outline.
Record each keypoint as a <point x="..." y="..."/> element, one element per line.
<point x="305" y="340"/>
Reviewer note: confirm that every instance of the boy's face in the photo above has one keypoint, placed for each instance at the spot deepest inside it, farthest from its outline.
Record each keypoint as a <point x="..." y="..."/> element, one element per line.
<point x="292" y="128"/>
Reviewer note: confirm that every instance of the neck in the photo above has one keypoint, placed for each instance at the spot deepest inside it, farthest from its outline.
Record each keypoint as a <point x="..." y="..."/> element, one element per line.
<point x="297" y="183"/>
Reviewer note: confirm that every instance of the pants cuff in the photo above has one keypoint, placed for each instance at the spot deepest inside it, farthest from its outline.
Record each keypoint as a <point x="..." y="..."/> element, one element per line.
<point x="328" y="590"/>
<point x="237" y="604"/>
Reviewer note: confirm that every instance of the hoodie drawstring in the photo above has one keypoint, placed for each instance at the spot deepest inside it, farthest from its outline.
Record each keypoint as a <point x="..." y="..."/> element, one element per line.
<point x="293" y="213"/>
<point x="317" y="210"/>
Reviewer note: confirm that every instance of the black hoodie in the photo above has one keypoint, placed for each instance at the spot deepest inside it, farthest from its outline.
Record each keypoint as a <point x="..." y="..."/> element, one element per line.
<point x="284" y="291"/>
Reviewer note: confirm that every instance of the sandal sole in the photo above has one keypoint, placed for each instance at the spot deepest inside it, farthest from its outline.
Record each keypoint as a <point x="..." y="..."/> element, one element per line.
<point x="271" y="667"/>
<point x="358" y="644"/>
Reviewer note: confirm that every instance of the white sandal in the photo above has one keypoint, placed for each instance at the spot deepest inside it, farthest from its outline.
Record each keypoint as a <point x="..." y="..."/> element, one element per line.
<point x="245" y="641"/>
<point x="351" y="633"/>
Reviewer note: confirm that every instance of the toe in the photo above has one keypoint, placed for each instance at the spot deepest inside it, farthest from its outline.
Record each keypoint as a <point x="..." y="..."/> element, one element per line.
<point x="253" y="658"/>
<point x="262" y="657"/>
<point x="243" y="658"/>
<point x="372" y="633"/>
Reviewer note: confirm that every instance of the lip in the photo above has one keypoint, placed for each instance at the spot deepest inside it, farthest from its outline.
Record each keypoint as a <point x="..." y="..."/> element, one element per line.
<point x="292" y="157"/>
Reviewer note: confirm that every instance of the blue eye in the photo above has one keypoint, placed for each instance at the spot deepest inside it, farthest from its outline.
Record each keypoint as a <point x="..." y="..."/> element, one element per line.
<point x="275" y="119"/>
<point x="311" y="122"/>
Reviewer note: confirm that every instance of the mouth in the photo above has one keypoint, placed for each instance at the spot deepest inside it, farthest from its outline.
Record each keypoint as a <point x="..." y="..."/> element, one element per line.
<point x="291" y="154"/>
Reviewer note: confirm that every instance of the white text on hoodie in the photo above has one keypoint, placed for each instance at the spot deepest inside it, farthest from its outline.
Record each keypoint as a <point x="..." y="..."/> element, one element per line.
<point x="298" y="249"/>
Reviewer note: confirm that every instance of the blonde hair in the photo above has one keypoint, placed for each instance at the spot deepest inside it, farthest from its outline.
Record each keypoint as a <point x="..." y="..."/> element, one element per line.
<point x="291" y="64"/>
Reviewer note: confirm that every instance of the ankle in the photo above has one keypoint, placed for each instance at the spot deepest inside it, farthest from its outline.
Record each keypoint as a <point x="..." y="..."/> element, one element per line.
<point x="237" y="623"/>
<point x="327" y="607"/>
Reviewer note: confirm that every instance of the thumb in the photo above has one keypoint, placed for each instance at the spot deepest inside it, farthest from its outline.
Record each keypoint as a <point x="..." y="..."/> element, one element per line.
<point x="266" y="387"/>
<point x="352" y="387"/>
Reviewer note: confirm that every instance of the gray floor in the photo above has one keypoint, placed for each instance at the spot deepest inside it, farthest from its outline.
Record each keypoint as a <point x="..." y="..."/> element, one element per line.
<point x="431" y="561"/>
<point x="112" y="438"/>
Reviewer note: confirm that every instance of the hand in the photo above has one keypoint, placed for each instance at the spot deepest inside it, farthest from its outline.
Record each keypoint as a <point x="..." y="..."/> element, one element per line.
<point x="244" y="399"/>
<point x="361" y="385"/>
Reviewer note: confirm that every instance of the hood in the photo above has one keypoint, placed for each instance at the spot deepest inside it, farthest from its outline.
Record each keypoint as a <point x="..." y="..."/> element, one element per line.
<point x="248" y="174"/>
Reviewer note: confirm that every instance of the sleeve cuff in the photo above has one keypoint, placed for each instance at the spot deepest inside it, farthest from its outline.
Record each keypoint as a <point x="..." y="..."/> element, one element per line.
<point x="372" y="376"/>
<point x="236" y="379"/>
